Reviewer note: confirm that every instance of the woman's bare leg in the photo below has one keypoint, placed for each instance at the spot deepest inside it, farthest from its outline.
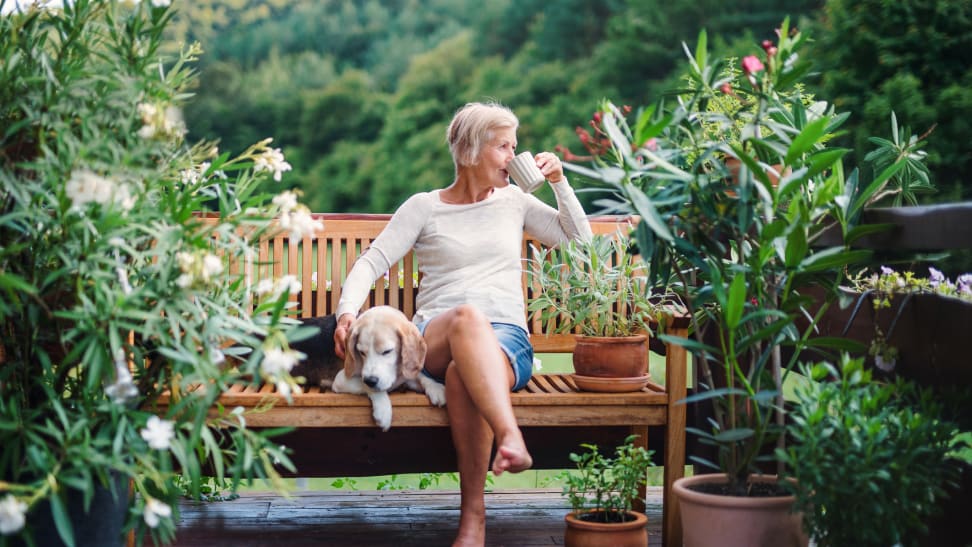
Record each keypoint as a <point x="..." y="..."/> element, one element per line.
<point x="472" y="439"/>
<point x="464" y="349"/>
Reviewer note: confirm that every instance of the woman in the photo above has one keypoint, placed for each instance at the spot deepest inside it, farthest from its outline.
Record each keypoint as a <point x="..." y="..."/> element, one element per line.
<point x="467" y="238"/>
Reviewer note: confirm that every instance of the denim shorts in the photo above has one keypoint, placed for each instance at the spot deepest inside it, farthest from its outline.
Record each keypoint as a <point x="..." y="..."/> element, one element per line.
<point x="515" y="343"/>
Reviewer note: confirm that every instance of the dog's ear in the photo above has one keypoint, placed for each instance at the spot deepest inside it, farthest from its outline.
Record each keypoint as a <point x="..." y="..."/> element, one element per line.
<point x="352" y="360"/>
<point x="413" y="349"/>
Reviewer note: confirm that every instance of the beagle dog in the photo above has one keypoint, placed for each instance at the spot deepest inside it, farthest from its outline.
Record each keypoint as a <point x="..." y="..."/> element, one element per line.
<point x="384" y="351"/>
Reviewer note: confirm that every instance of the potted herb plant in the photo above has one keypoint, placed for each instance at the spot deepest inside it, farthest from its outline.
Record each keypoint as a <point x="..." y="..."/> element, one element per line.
<point x="746" y="250"/>
<point x="112" y="291"/>
<point x="870" y="459"/>
<point x="601" y="492"/>
<point x="599" y="290"/>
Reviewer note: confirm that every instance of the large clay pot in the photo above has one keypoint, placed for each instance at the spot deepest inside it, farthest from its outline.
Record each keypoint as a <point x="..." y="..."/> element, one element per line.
<point x="581" y="533"/>
<point x="101" y="525"/>
<point x="733" y="521"/>
<point x="611" y="356"/>
<point x="600" y="359"/>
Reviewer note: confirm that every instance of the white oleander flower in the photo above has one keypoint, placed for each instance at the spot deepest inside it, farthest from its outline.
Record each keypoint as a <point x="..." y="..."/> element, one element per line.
<point x="211" y="267"/>
<point x="300" y="223"/>
<point x="276" y="360"/>
<point x="13" y="515"/>
<point x="276" y="287"/>
<point x="288" y="283"/>
<point x="184" y="281"/>
<point x="272" y="160"/>
<point x="165" y="122"/>
<point x="264" y="286"/>
<point x="185" y="261"/>
<point x="216" y="356"/>
<point x="158" y="433"/>
<point x="202" y="267"/>
<point x="192" y="175"/>
<point x="286" y="200"/>
<point x="85" y="187"/>
<point x="155" y="511"/>
<point x="123" y="389"/>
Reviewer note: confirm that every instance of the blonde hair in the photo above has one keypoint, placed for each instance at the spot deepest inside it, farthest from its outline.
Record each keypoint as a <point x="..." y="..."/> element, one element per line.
<point x="473" y="126"/>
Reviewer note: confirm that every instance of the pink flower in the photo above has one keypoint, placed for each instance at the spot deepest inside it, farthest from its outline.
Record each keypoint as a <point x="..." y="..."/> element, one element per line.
<point x="751" y="64"/>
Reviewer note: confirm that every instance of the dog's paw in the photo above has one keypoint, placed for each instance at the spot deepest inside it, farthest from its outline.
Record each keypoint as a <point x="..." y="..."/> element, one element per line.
<point x="381" y="410"/>
<point x="435" y="392"/>
<point x="383" y="417"/>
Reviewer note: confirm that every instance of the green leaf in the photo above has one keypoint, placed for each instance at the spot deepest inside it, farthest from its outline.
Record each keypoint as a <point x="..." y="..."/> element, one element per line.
<point x="796" y="248"/>
<point x="645" y="130"/>
<point x="736" y="302"/>
<point x="823" y="160"/>
<point x="834" y="257"/>
<point x="62" y="521"/>
<point x="14" y="282"/>
<point x="866" y="229"/>
<point x="806" y="140"/>
<point x="734" y="435"/>
<point x="837" y="343"/>
<point x="644" y="207"/>
<point x="702" y="50"/>
<point x="876" y="185"/>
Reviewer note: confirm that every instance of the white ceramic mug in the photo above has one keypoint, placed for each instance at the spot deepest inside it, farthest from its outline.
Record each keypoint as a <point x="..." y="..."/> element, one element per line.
<point x="525" y="173"/>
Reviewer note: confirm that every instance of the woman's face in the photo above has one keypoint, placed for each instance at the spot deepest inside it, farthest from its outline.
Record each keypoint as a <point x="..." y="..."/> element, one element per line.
<point x="494" y="157"/>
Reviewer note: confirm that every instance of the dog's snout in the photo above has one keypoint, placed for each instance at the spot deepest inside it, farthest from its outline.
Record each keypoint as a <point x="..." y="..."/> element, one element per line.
<point x="371" y="381"/>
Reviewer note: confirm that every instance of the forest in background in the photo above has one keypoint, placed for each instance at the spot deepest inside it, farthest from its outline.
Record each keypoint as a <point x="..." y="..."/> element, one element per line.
<point x="358" y="93"/>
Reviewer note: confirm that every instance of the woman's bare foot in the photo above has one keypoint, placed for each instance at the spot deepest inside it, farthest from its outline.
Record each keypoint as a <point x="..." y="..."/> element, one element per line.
<point x="511" y="458"/>
<point x="472" y="529"/>
<point x="467" y="541"/>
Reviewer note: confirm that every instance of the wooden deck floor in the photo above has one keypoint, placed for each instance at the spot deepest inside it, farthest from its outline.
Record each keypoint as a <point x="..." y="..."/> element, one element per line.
<point x="373" y="519"/>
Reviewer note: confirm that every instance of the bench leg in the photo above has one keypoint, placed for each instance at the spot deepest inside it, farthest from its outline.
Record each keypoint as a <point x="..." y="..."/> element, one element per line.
<point x="676" y="366"/>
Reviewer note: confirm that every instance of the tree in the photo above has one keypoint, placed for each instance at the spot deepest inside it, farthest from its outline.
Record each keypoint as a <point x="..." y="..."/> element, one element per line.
<point x="910" y="57"/>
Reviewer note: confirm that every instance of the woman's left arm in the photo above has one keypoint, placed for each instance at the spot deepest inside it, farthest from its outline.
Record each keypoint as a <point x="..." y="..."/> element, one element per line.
<point x="552" y="226"/>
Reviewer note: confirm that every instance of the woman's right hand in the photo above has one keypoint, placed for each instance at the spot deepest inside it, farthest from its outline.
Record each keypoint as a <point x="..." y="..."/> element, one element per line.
<point x="341" y="333"/>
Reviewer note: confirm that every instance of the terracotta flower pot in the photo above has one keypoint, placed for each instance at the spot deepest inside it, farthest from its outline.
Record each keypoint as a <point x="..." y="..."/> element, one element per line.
<point x="597" y="359"/>
<point x="731" y="521"/>
<point x="582" y="533"/>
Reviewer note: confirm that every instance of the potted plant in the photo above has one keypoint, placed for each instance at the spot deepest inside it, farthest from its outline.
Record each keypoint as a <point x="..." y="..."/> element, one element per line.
<point x="599" y="290"/>
<point x="601" y="494"/>
<point x="870" y="459"/>
<point x="746" y="252"/>
<point x="113" y="291"/>
<point x="893" y="311"/>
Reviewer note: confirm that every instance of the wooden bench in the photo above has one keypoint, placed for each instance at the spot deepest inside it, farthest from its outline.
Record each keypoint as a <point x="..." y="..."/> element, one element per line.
<point x="335" y="434"/>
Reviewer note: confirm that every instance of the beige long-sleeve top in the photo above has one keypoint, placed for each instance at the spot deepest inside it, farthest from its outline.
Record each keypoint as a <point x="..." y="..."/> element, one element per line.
<point x="467" y="254"/>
